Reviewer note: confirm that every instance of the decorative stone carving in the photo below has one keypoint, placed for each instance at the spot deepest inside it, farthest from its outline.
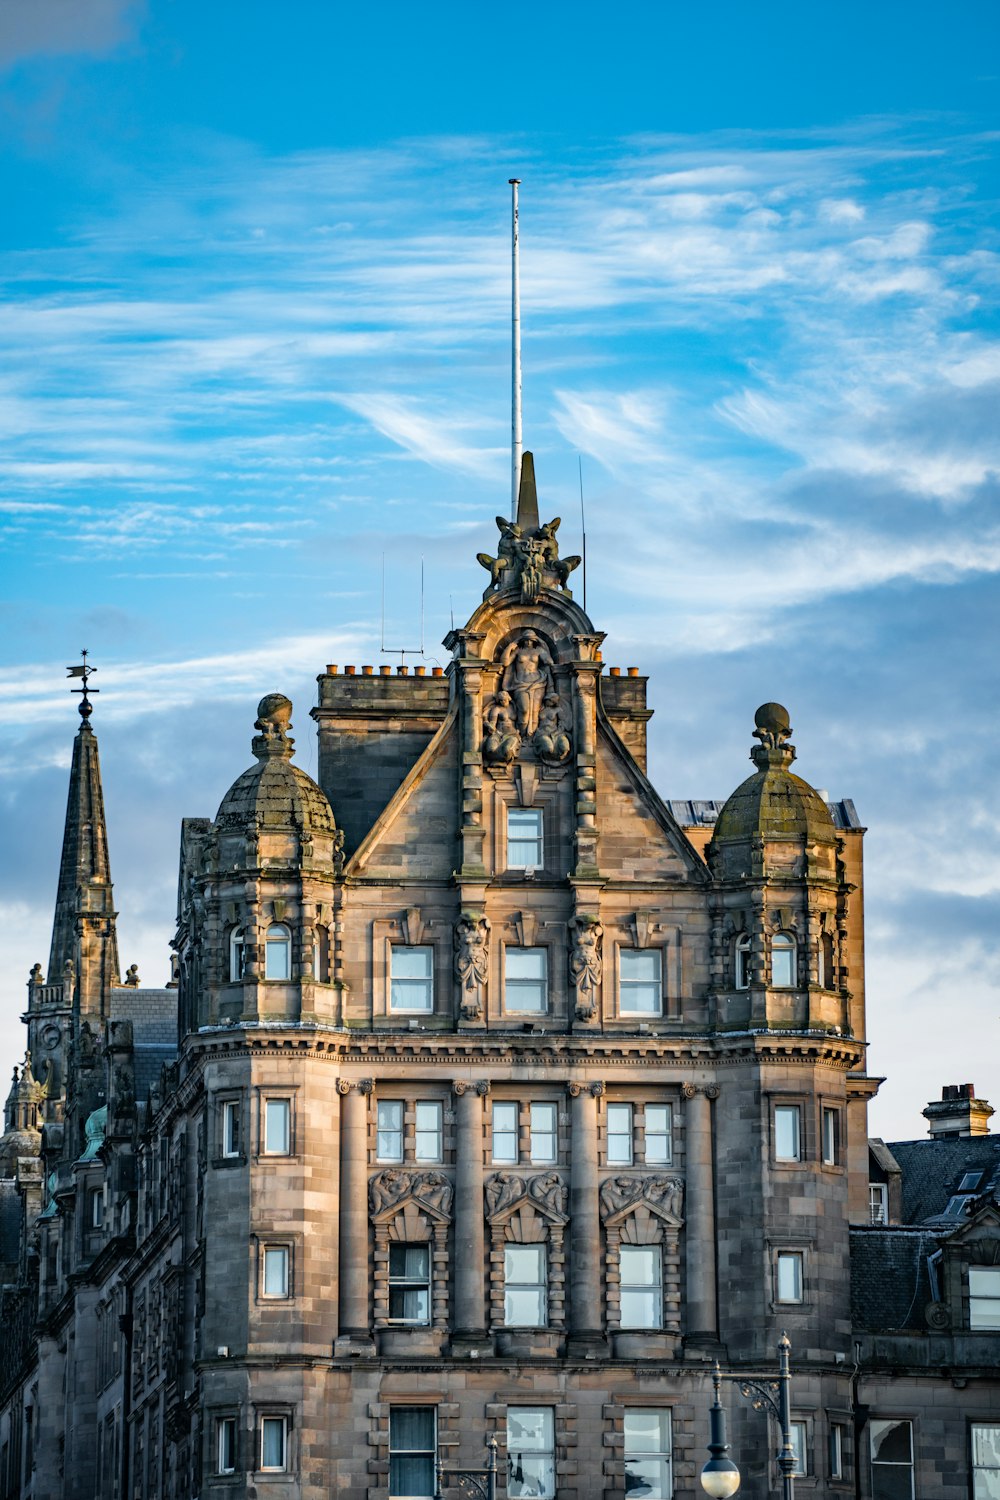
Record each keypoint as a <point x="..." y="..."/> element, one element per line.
<point x="549" y="1191"/>
<point x="585" y="965"/>
<point x="338" y="852"/>
<point x="527" y="676"/>
<point x="388" y="1189"/>
<point x="472" y="962"/>
<point x="551" y="741"/>
<point x="546" y="1190"/>
<point x="528" y="559"/>
<point x="274" y="713"/>
<point x="663" y="1194"/>
<point x="502" y="741"/>
<point x="503" y="1190"/>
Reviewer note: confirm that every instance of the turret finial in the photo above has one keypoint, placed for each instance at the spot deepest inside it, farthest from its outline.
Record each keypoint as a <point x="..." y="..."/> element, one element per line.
<point x="772" y="728"/>
<point x="84" y="671"/>
<point x="274" y="713"/>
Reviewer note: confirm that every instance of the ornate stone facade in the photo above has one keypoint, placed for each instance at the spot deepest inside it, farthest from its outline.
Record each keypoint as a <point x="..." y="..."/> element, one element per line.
<point x="493" y="1095"/>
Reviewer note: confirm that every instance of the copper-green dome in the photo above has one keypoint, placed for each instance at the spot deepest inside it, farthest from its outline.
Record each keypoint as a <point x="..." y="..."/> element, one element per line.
<point x="274" y="793"/>
<point x="772" y="803"/>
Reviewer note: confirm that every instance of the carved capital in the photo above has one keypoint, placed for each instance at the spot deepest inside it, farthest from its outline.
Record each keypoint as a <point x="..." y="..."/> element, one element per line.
<point x="483" y="1087"/>
<point x="459" y="1087"/>
<point x="597" y="1089"/>
<point x="362" y="1085"/>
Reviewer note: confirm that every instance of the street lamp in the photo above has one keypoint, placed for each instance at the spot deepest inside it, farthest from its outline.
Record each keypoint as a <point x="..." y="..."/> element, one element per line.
<point x="720" y="1476"/>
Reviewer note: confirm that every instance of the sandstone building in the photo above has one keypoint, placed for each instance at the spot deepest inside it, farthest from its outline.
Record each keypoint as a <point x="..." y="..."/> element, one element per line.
<point x="494" y="1097"/>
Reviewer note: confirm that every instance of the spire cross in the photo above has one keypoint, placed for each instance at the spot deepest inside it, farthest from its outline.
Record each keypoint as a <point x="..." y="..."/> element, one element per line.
<point x="85" y="671"/>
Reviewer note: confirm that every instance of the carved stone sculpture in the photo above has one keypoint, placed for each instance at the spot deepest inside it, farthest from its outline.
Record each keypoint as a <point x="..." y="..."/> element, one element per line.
<point x="665" y="1194"/>
<point x="433" y="1189"/>
<point x="585" y="964"/>
<point x="527" y="677"/>
<point x="549" y="1191"/>
<point x="472" y="961"/>
<point x="551" y="741"/>
<point x="528" y="559"/>
<point x="502" y="741"/>
<point x="618" y="1192"/>
<point x="387" y="1188"/>
<point x="502" y="1191"/>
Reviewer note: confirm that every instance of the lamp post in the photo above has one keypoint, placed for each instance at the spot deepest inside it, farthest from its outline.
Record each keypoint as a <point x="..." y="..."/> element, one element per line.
<point x="481" y="1482"/>
<point x="720" y="1477"/>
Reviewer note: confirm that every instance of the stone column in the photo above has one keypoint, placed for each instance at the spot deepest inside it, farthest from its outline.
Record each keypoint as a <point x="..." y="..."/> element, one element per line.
<point x="702" y="1325"/>
<point x="586" y="1303"/>
<point x="470" y="1236"/>
<point x="355" y="1258"/>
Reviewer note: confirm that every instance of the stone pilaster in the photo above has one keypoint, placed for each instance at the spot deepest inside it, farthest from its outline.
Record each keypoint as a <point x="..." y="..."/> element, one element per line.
<point x="470" y="1236"/>
<point x="702" y="1324"/>
<point x="355" y="1259"/>
<point x="585" y="1300"/>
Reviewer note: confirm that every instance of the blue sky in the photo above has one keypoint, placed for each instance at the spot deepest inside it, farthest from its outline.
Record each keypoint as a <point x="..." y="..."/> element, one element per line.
<point x="254" y="266"/>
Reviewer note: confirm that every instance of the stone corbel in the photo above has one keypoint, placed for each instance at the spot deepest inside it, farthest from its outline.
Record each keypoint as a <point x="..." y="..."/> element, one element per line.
<point x="413" y="927"/>
<point x="526" y="926"/>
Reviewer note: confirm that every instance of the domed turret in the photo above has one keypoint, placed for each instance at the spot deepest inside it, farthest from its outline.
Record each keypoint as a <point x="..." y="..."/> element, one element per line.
<point x="274" y="793"/>
<point x="21" y="1137"/>
<point x="772" y="803"/>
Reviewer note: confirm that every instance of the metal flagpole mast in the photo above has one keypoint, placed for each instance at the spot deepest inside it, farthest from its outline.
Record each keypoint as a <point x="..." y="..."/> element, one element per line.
<point x="515" y="293"/>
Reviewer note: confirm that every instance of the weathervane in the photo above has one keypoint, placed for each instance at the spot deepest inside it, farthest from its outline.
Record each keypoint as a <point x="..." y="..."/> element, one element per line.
<point x="86" y="671"/>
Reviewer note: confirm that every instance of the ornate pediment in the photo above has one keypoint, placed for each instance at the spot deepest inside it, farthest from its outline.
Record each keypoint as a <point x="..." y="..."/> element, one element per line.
<point x="546" y="1193"/>
<point x="662" y="1196"/>
<point x="390" y="1190"/>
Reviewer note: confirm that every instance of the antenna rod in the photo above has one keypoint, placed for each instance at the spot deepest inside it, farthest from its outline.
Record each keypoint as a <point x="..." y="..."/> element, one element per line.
<point x="583" y="528"/>
<point x="515" y="297"/>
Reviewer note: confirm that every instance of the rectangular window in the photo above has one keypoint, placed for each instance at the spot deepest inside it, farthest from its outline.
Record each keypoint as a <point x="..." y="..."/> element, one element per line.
<point x="525" y="1299"/>
<point x="659" y="1131"/>
<point x="273" y="1444"/>
<point x="96" y="1207"/>
<point x="274" y="1278"/>
<point x="985" y="1460"/>
<point x="892" y="1460"/>
<point x="531" y="1451"/>
<point x="787" y="1132"/>
<point x="799" y="1435"/>
<point x="412" y="1452"/>
<point x="648" y="1454"/>
<point x="410" y="1284"/>
<point x="231" y="1127"/>
<point x="411" y="979"/>
<point x="389" y="1145"/>
<point x="831" y="1137"/>
<point x="878" y="1203"/>
<point x="641" y="1294"/>
<point x="984" y="1297"/>
<point x="526" y="982"/>
<point x="225" y="1445"/>
<point x="835" y="1452"/>
<point x="788" y="1276"/>
<point x="640" y="981"/>
<point x="505" y="1131"/>
<point x="428" y="1140"/>
<point x="277" y="1127"/>
<point x="544" y="1120"/>
<point x="525" y="842"/>
<point x="619" y="1135"/>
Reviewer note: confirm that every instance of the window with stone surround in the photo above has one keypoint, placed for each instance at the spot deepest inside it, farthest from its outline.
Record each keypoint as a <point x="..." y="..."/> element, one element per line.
<point x="891" y="1449"/>
<point x="428" y="1131"/>
<point x="984" y="1298"/>
<point x="525" y="838"/>
<point x="535" y="1123"/>
<point x="275" y="1271"/>
<point x="641" y="1286"/>
<point x="783" y="961"/>
<point x="830" y="1135"/>
<point x="878" y="1203"/>
<point x="412" y="1452"/>
<point x="410" y="1284"/>
<point x="226" y="1445"/>
<point x="640" y="981"/>
<point x="639" y="1133"/>
<point x="278" y="952"/>
<point x="389" y="1138"/>
<point x="787" y="1132"/>
<point x="230" y="1132"/>
<point x="525" y="1270"/>
<point x="526" y="981"/>
<point x="531" y="1452"/>
<point x="411" y="979"/>
<point x="788" y="1276"/>
<point x="741" y="952"/>
<point x="799" y="1432"/>
<point x="411" y="1130"/>
<point x="237" y="955"/>
<point x="619" y="1135"/>
<point x="985" y="1440"/>
<point x="276" y="1126"/>
<point x="648" y="1452"/>
<point x="837" y="1450"/>
<point x="272" y="1443"/>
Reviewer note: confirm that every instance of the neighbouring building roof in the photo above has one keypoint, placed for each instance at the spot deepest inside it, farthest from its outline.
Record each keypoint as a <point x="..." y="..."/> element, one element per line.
<point x="934" y="1172"/>
<point x="890" y="1285"/>
<point x="704" y="814"/>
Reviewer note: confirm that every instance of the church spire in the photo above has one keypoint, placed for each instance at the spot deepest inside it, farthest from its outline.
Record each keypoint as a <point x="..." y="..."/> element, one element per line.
<point x="83" y="931"/>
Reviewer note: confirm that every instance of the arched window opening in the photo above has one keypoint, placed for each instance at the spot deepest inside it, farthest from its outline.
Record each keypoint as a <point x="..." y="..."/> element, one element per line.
<point x="743" y="962"/>
<point x="783" y="961"/>
<point x="278" y="952"/>
<point x="825" y="974"/>
<point x="323" y="954"/>
<point x="237" y="955"/>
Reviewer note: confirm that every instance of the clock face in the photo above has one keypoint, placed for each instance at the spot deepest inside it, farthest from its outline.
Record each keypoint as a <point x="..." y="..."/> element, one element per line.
<point x="51" y="1037"/>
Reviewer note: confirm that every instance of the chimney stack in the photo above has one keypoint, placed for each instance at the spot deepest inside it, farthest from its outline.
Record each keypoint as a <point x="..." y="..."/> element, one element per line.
<point x="958" y="1114"/>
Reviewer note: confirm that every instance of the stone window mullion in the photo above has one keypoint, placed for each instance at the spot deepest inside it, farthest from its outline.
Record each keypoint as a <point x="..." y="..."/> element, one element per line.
<point x="439" y="1277"/>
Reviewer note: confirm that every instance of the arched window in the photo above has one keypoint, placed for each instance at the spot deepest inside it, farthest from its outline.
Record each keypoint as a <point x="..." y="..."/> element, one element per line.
<point x="237" y="955"/>
<point x="743" y="961"/>
<point x="323" y="954"/>
<point x="825" y="967"/>
<point x="783" y="961"/>
<point x="278" y="952"/>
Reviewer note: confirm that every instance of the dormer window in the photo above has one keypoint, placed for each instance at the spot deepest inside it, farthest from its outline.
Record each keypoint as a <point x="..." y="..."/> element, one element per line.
<point x="743" y="961"/>
<point x="237" y="955"/>
<point x="278" y="952"/>
<point x="783" y="961"/>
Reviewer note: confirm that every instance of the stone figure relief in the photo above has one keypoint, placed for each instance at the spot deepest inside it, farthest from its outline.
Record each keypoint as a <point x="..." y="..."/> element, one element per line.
<point x="472" y="962"/>
<point x="503" y="1190"/>
<point x="665" y="1194"/>
<point x="585" y="966"/>
<point x="502" y="741"/>
<point x="388" y="1189"/>
<point x="527" y="677"/>
<point x="550" y="740"/>
<point x="547" y="1190"/>
<point x="527" y="559"/>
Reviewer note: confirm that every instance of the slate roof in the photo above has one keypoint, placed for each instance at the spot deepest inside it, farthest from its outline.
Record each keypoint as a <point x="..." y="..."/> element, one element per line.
<point x="153" y="1014"/>
<point x="890" y="1286"/>
<point x="933" y="1169"/>
<point x="10" y="1221"/>
<point x="704" y="814"/>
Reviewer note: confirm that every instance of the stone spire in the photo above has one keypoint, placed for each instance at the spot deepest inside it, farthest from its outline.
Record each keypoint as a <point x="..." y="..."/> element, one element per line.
<point x="83" y="931"/>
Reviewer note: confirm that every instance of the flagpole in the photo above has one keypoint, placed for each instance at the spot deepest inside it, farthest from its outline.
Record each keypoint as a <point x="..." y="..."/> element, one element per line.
<point x="515" y="416"/>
